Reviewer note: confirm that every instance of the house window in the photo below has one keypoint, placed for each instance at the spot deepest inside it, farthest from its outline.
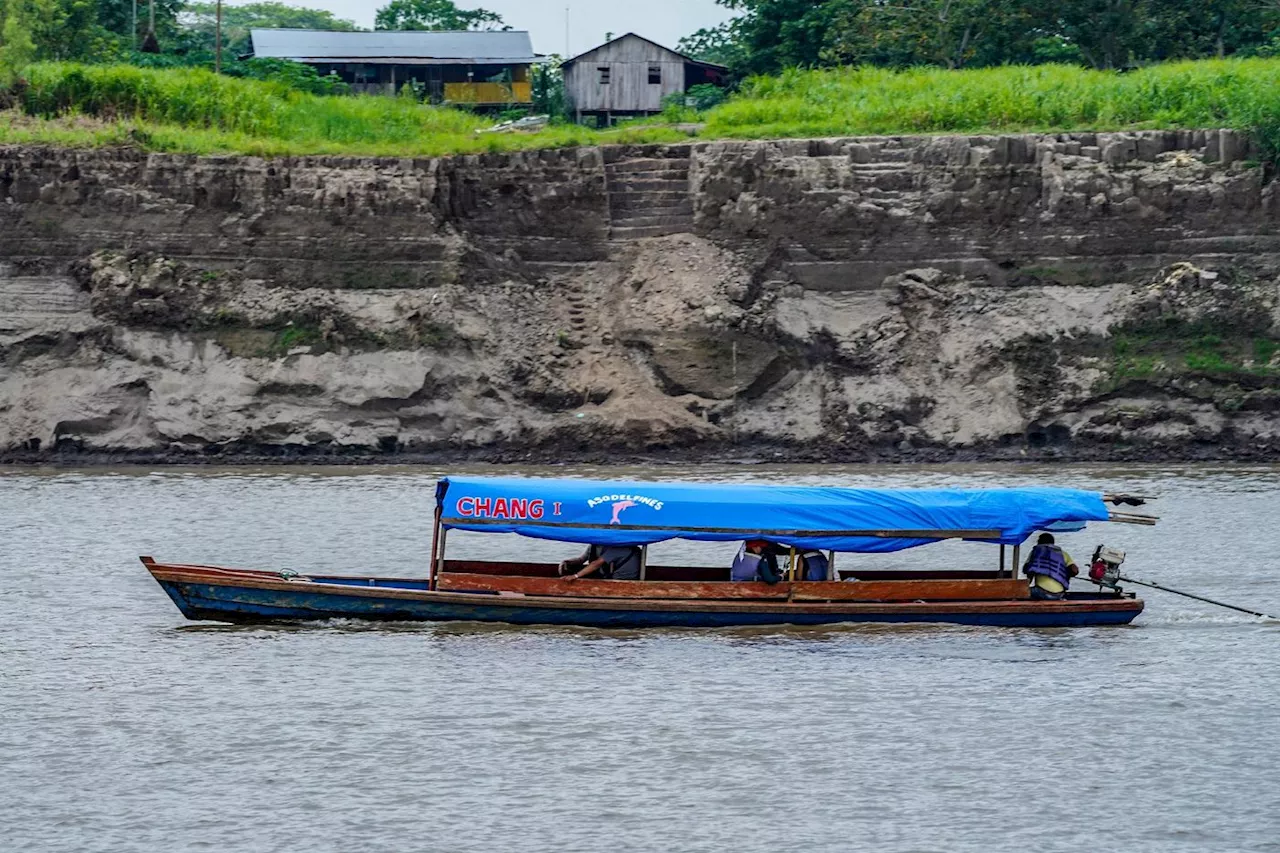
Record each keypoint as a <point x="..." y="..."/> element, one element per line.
<point x="604" y="74"/>
<point x="655" y="75"/>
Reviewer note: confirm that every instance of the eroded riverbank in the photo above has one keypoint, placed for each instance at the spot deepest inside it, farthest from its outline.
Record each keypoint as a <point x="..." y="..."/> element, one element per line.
<point x="1081" y="296"/>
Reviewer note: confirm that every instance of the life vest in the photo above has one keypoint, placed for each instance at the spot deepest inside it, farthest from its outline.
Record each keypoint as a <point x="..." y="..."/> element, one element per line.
<point x="754" y="567"/>
<point x="816" y="566"/>
<point x="746" y="565"/>
<point x="1047" y="560"/>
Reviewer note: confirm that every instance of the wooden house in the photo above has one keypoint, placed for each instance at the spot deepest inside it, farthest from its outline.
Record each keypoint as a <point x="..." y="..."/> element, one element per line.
<point x="483" y="69"/>
<point x="630" y="76"/>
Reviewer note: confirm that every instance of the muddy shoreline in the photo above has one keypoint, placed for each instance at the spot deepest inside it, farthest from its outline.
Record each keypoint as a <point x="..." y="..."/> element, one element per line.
<point x="741" y="454"/>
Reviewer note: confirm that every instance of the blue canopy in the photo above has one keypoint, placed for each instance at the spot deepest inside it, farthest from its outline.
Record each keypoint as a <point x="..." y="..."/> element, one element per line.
<point x="840" y="519"/>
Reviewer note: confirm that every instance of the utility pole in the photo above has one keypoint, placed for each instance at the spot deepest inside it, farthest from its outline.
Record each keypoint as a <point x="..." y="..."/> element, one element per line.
<point x="150" y="44"/>
<point x="217" y="50"/>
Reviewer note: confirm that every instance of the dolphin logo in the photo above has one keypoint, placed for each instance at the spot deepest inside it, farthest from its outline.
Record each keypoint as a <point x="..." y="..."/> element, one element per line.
<point x="618" y="508"/>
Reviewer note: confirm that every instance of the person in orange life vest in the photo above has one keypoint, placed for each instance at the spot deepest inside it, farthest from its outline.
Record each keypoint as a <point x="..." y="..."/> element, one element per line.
<point x="1050" y="569"/>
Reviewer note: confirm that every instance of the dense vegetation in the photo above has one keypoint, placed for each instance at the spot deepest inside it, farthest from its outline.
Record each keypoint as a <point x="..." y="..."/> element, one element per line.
<point x="81" y="73"/>
<point x="172" y="33"/>
<point x="1240" y="93"/>
<point x="195" y="110"/>
<point x="771" y="35"/>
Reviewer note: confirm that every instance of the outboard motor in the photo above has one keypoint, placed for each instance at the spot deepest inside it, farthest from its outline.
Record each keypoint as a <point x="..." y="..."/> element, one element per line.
<point x="1104" y="568"/>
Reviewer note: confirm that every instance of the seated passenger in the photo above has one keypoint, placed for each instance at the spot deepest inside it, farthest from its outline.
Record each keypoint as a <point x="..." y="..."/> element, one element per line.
<point x="814" y="566"/>
<point x="755" y="561"/>
<point x="612" y="562"/>
<point x="1050" y="569"/>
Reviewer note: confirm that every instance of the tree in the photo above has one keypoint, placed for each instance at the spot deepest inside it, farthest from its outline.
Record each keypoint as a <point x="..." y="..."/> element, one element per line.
<point x="721" y="44"/>
<point x="17" y="46"/>
<point x="199" y="21"/>
<point x="435" y="15"/>
<point x="1108" y="32"/>
<point x="50" y="29"/>
<point x="777" y="34"/>
<point x="949" y="33"/>
<point x="1175" y="29"/>
<point x="769" y="35"/>
<point x="548" y="87"/>
<point x="68" y="29"/>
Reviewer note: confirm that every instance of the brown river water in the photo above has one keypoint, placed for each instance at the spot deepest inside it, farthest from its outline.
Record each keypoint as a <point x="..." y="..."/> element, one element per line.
<point x="125" y="728"/>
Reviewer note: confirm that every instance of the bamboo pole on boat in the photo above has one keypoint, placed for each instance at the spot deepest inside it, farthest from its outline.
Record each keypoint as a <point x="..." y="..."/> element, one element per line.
<point x="1017" y="559"/>
<point x="1125" y="498"/>
<point x="1132" y="518"/>
<point x="1001" y="572"/>
<point x="644" y="560"/>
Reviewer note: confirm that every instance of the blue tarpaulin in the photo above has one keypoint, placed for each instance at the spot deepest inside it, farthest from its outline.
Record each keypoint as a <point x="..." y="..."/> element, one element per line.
<point x="840" y="519"/>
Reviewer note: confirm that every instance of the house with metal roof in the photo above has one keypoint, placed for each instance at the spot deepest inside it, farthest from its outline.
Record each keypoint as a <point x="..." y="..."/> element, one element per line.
<point x="630" y="76"/>
<point x="485" y="69"/>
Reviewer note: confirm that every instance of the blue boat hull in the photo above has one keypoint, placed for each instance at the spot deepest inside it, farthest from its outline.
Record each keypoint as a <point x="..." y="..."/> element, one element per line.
<point x="231" y="602"/>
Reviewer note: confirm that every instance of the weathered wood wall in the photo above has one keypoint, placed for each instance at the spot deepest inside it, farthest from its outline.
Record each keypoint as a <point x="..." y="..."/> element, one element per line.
<point x="628" y="90"/>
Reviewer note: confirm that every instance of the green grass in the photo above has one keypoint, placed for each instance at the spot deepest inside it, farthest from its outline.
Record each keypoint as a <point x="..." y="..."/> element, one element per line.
<point x="1203" y="349"/>
<point x="1241" y="94"/>
<point x="194" y="111"/>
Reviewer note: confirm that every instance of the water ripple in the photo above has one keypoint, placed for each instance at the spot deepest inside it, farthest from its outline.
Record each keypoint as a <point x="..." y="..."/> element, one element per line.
<point x="125" y="729"/>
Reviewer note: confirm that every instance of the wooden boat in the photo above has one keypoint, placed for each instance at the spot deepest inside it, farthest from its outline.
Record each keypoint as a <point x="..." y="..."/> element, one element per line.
<point x="838" y="520"/>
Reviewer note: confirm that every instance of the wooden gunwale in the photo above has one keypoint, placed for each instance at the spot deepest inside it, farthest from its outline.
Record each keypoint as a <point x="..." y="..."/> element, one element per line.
<point x="265" y="580"/>
<point x="714" y="573"/>
<point x="893" y="590"/>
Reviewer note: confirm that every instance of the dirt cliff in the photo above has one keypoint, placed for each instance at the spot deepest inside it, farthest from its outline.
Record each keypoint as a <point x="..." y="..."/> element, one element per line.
<point x="1084" y="296"/>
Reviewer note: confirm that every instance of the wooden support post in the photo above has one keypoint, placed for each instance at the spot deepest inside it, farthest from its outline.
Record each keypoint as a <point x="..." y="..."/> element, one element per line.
<point x="831" y="565"/>
<point x="1002" y="558"/>
<point x="439" y="567"/>
<point x="644" y="560"/>
<point x="1017" y="559"/>
<point x="435" y="544"/>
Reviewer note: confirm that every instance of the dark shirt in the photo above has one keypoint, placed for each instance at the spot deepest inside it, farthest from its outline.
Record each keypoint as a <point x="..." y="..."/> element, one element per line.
<point x="622" y="562"/>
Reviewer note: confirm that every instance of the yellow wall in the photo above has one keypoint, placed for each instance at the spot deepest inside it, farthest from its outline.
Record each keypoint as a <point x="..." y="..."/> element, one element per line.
<point x="488" y="93"/>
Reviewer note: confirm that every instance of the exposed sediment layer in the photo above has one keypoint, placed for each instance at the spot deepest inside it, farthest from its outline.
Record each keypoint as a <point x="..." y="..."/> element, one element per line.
<point x="1083" y="295"/>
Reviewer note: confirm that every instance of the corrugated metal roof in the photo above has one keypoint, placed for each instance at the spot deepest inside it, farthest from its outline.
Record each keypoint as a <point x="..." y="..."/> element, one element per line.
<point x="417" y="47"/>
<point x="683" y="56"/>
